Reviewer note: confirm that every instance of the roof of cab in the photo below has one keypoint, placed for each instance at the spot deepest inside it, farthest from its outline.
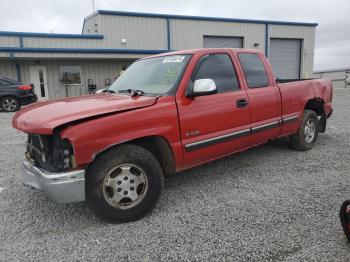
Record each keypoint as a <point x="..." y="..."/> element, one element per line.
<point x="204" y="51"/>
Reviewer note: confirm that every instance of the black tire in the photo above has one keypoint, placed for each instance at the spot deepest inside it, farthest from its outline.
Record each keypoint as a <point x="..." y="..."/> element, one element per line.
<point x="344" y="216"/>
<point x="10" y="104"/>
<point x="100" y="169"/>
<point x="300" y="141"/>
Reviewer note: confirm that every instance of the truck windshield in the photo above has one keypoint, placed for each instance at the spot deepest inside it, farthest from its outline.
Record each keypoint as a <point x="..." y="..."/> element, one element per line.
<point x="153" y="76"/>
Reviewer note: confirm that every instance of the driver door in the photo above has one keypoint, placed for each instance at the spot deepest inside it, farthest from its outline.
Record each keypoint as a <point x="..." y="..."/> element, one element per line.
<point x="217" y="124"/>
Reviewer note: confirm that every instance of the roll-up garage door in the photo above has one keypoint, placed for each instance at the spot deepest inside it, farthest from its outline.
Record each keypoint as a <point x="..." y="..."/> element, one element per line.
<point x="222" y="42"/>
<point x="284" y="57"/>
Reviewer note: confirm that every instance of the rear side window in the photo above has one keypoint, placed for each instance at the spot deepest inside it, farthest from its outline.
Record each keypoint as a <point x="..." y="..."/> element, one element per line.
<point x="254" y="70"/>
<point x="219" y="68"/>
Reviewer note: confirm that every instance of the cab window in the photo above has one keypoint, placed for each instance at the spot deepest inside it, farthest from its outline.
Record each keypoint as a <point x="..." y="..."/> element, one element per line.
<point x="254" y="70"/>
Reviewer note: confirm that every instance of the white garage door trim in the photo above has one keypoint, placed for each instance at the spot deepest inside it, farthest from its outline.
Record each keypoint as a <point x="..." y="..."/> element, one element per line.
<point x="222" y="41"/>
<point x="285" y="57"/>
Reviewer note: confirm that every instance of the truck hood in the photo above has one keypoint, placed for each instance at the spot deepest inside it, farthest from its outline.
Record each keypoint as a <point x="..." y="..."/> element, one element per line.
<point x="43" y="117"/>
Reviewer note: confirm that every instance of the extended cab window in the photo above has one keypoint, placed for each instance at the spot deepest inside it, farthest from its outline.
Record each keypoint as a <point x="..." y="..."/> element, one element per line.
<point x="254" y="70"/>
<point x="219" y="68"/>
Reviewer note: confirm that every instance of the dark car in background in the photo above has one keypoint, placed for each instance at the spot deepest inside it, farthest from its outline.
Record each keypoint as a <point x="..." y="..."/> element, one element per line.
<point x="14" y="94"/>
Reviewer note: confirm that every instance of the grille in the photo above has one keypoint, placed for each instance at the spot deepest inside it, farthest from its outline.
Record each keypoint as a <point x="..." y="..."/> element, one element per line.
<point x="38" y="149"/>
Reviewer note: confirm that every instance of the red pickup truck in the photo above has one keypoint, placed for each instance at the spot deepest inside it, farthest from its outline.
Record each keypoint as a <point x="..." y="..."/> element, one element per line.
<point x="164" y="114"/>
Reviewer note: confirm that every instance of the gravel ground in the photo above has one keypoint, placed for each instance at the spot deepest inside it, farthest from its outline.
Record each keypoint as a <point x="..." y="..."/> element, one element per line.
<point x="267" y="204"/>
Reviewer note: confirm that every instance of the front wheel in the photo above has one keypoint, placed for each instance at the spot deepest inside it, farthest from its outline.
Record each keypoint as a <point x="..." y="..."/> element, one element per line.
<point x="307" y="134"/>
<point x="123" y="184"/>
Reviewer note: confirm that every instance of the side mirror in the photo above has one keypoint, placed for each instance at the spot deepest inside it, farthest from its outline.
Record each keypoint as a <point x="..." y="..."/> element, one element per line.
<point x="202" y="87"/>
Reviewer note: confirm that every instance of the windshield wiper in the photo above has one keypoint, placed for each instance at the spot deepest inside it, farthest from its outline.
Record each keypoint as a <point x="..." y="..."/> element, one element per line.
<point x="133" y="92"/>
<point x="108" y="91"/>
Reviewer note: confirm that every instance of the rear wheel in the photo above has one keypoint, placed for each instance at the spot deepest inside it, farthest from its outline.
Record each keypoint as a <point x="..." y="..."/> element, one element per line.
<point x="123" y="184"/>
<point x="10" y="104"/>
<point x="307" y="134"/>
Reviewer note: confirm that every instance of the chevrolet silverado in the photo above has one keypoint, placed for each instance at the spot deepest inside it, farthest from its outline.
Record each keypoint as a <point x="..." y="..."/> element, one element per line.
<point x="164" y="114"/>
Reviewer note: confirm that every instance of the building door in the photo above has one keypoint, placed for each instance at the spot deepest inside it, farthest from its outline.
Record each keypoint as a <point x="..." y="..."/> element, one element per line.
<point x="284" y="56"/>
<point x="38" y="78"/>
<point x="222" y="42"/>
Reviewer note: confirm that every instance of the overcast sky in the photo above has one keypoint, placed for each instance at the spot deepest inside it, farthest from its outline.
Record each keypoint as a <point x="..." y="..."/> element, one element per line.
<point x="66" y="16"/>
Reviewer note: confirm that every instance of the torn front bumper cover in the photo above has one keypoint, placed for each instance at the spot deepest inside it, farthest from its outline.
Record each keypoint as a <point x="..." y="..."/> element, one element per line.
<point x="60" y="187"/>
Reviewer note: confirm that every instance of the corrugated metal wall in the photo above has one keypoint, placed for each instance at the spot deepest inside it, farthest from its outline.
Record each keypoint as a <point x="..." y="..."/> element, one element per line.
<point x="9" y="41"/>
<point x="76" y="56"/>
<point x="139" y="32"/>
<point x="47" y="42"/>
<point x="8" y="69"/>
<point x="187" y="34"/>
<point x="91" y="25"/>
<point x="222" y="41"/>
<point x="61" y="42"/>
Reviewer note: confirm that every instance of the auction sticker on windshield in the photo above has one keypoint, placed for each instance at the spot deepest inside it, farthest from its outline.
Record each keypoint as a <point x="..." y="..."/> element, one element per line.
<point x="173" y="59"/>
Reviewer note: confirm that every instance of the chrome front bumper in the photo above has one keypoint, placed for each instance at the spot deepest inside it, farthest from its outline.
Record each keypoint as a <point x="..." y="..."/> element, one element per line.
<point x="60" y="187"/>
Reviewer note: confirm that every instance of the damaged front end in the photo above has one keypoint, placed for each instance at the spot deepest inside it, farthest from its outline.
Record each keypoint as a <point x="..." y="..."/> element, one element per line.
<point x="50" y="152"/>
<point x="49" y="165"/>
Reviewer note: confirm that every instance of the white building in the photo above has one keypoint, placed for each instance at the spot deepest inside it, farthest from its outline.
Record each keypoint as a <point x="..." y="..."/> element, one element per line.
<point x="112" y="40"/>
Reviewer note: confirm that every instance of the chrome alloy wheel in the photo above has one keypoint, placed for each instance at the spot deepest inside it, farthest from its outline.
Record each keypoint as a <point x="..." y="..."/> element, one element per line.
<point x="125" y="186"/>
<point x="9" y="104"/>
<point x="309" y="130"/>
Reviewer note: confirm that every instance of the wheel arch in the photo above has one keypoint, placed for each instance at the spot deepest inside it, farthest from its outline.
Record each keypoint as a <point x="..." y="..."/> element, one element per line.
<point x="158" y="146"/>
<point x="10" y="95"/>
<point x="317" y="105"/>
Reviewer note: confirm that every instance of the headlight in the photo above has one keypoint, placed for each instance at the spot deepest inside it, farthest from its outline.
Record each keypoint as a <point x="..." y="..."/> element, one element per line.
<point x="72" y="162"/>
<point x="62" y="153"/>
<point x="68" y="155"/>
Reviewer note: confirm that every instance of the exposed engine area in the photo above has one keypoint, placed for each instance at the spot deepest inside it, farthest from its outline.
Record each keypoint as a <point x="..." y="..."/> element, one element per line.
<point x="50" y="152"/>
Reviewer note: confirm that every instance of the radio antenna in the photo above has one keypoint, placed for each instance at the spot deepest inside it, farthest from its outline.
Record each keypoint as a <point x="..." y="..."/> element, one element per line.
<point x="93" y="10"/>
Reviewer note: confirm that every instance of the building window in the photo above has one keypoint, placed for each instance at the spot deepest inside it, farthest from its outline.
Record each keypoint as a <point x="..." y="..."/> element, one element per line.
<point x="70" y="75"/>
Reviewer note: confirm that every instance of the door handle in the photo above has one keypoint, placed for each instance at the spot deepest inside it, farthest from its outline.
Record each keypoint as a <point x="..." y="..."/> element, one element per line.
<point x="242" y="103"/>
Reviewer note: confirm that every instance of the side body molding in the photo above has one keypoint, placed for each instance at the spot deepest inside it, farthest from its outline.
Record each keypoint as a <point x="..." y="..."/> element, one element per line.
<point x="235" y="135"/>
